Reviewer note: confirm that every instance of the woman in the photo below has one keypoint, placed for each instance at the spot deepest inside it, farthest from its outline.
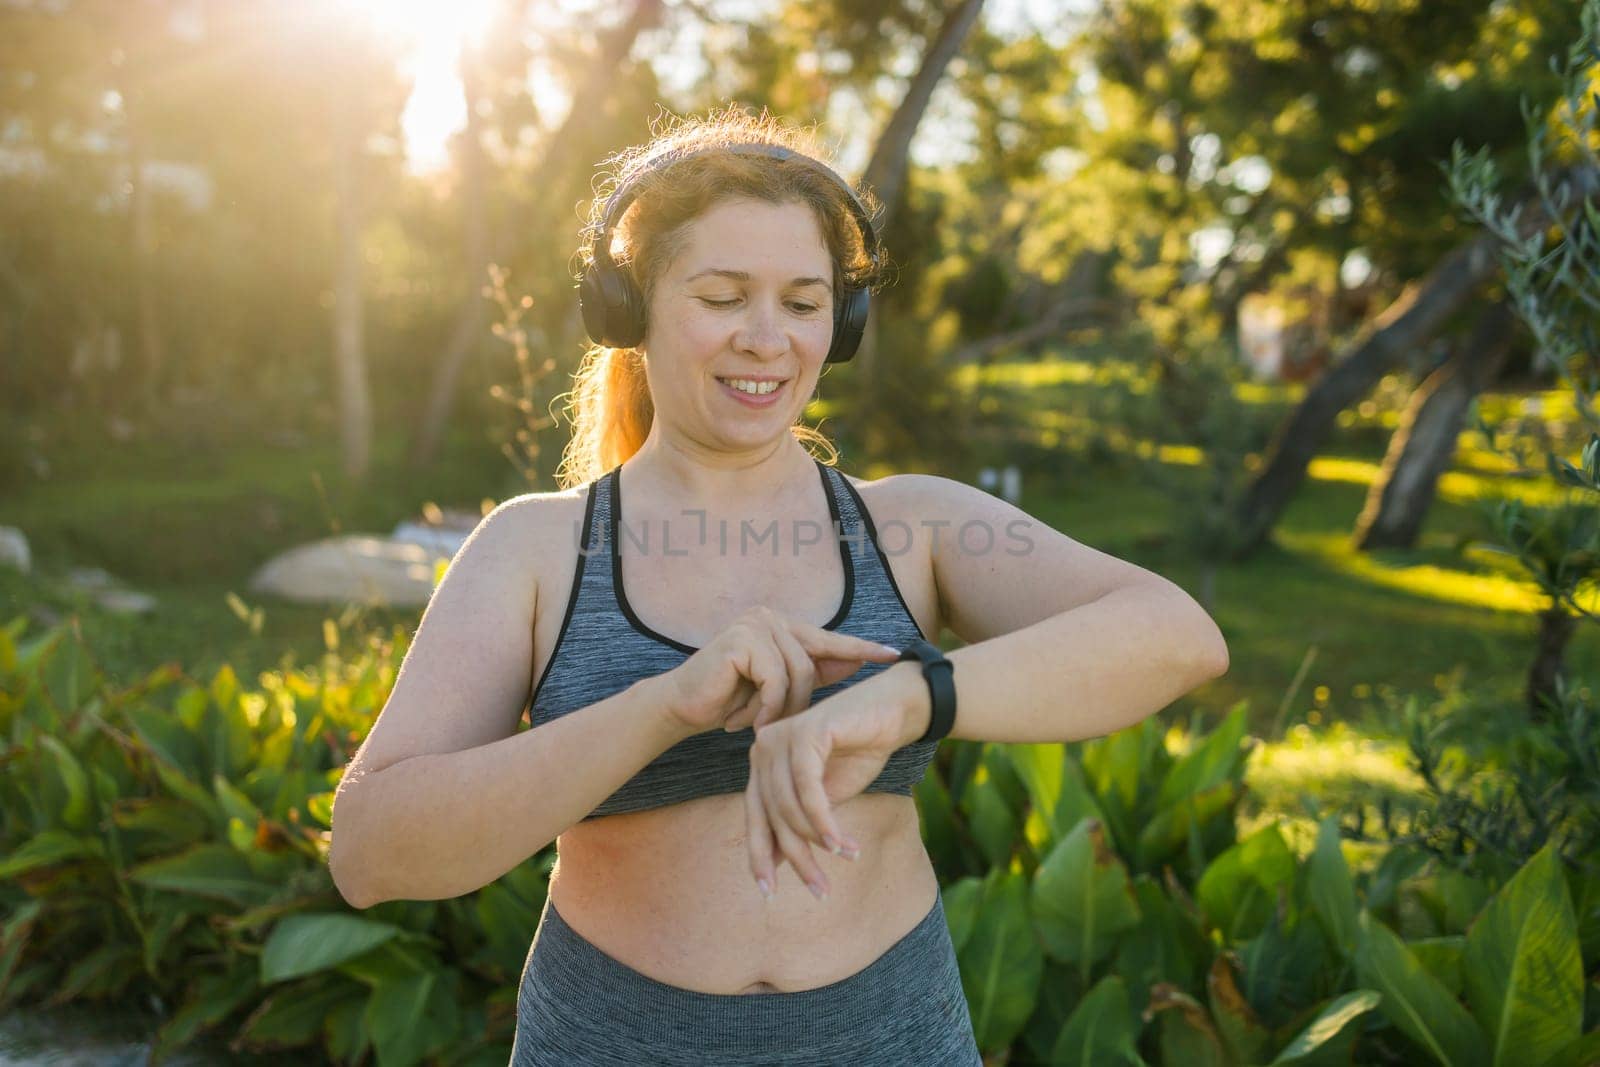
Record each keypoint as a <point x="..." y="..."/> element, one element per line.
<point x="719" y="719"/>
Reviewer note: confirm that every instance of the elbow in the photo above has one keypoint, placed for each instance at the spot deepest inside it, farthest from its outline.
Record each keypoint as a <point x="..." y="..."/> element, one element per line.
<point x="351" y="873"/>
<point x="1220" y="662"/>
<point x="1214" y="659"/>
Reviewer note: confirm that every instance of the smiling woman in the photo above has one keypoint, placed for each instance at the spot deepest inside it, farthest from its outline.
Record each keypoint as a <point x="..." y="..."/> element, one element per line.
<point x="724" y="744"/>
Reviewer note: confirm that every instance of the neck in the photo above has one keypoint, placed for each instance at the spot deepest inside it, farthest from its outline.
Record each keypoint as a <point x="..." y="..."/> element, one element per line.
<point x="721" y="480"/>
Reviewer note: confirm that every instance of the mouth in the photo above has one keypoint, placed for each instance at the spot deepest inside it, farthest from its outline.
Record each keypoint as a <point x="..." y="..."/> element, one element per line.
<point x="760" y="400"/>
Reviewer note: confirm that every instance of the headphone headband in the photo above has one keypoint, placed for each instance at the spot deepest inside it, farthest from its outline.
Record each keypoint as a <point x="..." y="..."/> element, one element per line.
<point x="628" y="191"/>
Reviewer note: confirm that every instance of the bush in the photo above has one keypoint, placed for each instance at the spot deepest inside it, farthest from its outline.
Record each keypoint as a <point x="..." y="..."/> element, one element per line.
<point x="168" y="840"/>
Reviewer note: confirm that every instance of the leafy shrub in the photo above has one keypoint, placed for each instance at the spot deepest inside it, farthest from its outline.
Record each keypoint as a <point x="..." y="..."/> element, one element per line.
<point x="168" y="840"/>
<point x="1104" y="912"/>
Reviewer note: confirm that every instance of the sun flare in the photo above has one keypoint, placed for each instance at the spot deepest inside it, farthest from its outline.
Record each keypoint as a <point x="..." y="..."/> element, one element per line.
<point x="430" y="34"/>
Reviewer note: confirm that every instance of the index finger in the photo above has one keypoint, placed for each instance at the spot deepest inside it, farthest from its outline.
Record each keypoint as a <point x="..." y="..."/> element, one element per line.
<point x="831" y="644"/>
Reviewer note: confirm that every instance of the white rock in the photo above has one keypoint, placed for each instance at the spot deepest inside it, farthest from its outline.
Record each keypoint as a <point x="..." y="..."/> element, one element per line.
<point x="14" y="549"/>
<point x="125" y="601"/>
<point x="354" y="568"/>
<point x="441" y="540"/>
<point x="90" y="578"/>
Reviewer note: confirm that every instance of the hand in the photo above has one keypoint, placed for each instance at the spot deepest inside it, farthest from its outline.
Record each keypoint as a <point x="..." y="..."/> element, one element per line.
<point x="803" y="766"/>
<point x="762" y="667"/>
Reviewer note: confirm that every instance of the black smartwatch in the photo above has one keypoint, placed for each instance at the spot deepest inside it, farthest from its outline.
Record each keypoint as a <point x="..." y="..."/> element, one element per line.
<point x="939" y="673"/>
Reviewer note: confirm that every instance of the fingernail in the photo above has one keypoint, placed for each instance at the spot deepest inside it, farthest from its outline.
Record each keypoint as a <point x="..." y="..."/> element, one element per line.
<point x="817" y="891"/>
<point x="832" y="844"/>
<point x="765" y="887"/>
<point x="851" y="853"/>
<point x="892" y="651"/>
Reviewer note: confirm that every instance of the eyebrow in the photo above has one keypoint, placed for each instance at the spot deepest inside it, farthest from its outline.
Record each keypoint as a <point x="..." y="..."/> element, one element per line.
<point x="744" y="276"/>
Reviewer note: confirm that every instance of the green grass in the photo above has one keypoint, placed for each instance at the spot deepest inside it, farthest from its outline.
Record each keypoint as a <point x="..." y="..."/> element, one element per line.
<point x="190" y="527"/>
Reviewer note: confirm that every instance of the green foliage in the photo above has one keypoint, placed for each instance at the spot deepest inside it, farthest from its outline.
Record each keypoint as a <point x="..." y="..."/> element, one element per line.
<point x="1544" y="790"/>
<point x="1210" y="949"/>
<point x="168" y="839"/>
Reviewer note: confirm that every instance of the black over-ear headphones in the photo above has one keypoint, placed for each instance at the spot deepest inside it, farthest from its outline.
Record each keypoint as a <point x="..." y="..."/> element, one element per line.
<point x="614" y="310"/>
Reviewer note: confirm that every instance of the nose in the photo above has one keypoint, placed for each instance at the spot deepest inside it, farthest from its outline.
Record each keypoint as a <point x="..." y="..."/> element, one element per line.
<point x="761" y="332"/>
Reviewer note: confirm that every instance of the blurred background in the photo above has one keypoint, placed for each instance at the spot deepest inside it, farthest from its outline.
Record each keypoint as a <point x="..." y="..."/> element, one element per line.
<point x="1291" y="301"/>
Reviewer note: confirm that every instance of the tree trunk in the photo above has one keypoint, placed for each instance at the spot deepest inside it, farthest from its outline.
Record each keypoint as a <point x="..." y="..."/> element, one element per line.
<point x="468" y="335"/>
<point x="885" y="174"/>
<point x="589" y="98"/>
<point x="1414" y="317"/>
<point x="1555" y="630"/>
<point x="1425" y="441"/>
<point x="886" y="170"/>
<point x="354" y="396"/>
<point x="147" y="325"/>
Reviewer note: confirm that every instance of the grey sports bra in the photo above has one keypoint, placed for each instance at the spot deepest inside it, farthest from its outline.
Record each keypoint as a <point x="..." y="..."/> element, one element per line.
<point x="603" y="648"/>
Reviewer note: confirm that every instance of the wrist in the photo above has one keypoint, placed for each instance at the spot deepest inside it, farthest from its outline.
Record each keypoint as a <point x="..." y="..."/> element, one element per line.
<point x="658" y="693"/>
<point x="910" y="694"/>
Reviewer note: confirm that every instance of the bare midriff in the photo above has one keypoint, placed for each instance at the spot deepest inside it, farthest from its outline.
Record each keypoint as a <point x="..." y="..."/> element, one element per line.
<point x="668" y="892"/>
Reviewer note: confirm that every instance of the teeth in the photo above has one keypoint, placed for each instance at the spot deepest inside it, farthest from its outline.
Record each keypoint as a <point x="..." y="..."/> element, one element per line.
<point x="744" y="385"/>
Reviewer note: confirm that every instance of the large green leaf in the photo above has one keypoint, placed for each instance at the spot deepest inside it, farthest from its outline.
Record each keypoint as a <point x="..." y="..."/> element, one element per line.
<point x="1169" y="832"/>
<point x="1414" y="1000"/>
<point x="411" y="1017"/>
<point x="1328" y="1039"/>
<point x="1101" y="1030"/>
<point x="1001" y="961"/>
<point x="1168" y="945"/>
<point x="994" y="823"/>
<point x="962" y="900"/>
<point x="306" y="944"/>
<point x="48" y="848"/>
<point x="1239" y="889"/>
<point x="1082" y="898"/>
<point x="1217" y="759"/>
<point x="208" y="871"/>
<point x="1243" y="1034"/>
<point x="78" y="811"/>
<point x="295" y="1013"/>
<point x="1332" y="892"/>
<point x="936" y="814"/>
<point x="1584" y="1052"/>
<point x="1442" y="957"/>
<point x="1187" y="1035"/>
<point x="1523" y="974"/>
<point x="166" y="738"/>
<point x="1039" y="767"/>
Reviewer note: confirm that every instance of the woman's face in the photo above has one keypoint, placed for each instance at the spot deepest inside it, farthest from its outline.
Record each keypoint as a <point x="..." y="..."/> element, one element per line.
<point x="749" y="297"/>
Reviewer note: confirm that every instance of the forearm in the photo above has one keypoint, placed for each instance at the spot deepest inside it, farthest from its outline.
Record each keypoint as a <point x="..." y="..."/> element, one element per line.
<point x="1083" y="673"/>
<point x="440" y="825"/>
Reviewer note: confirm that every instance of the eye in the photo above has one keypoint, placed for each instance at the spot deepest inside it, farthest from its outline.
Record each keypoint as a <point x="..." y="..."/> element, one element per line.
<point x="804" y="309"/>
<point x="708" y="302"/>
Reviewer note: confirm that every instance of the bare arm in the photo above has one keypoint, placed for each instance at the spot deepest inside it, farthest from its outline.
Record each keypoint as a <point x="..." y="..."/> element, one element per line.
<point x="1065" y="642"/>
<point x="440" y="825"/>
<point x="444" y="796"/>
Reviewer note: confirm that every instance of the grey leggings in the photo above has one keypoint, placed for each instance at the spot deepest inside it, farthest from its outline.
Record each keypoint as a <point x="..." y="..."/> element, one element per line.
<point x="577" y="1006"/>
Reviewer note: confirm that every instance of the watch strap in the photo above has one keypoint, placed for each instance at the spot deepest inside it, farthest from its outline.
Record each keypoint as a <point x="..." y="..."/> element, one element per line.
<point x="939" y="673"/>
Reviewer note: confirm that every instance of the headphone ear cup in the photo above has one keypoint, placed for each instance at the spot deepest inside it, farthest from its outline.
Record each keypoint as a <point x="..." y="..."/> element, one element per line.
<point x="849" y="322"/>
<point x="613" y="310"/>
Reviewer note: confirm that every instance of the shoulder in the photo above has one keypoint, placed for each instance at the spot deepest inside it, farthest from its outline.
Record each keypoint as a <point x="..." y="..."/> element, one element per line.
<point x="933" y="495"/>
<point x="525" y="534"/>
